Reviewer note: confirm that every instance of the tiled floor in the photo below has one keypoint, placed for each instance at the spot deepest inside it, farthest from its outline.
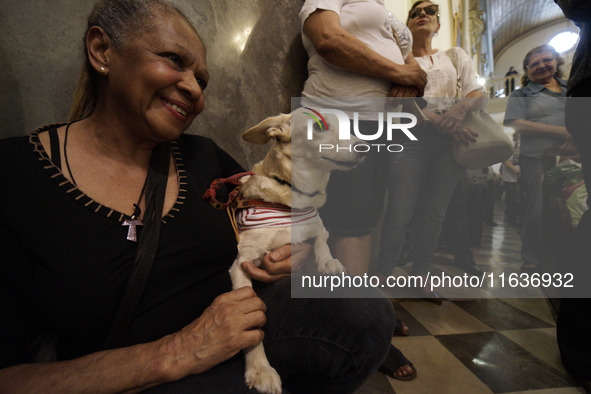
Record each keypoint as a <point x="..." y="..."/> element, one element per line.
<point x="487" y="345"/>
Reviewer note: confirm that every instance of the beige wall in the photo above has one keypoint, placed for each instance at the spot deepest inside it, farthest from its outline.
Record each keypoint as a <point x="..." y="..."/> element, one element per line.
<point x="40" y="57"/>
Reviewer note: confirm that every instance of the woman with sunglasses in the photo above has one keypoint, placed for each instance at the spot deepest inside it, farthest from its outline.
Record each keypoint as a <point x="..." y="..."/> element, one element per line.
<point x="536" y="111"/>
<point x="422" y="178"/>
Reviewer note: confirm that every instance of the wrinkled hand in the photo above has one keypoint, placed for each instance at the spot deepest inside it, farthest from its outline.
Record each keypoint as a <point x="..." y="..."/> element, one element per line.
<point x="565" y="134"/>
<point x="231" y="323"/>
<point x="464" y="135"/>
<point x="399" y="93"/>
<point x="403" y="91"/>
<point x="452" y="119"/>
<point x="279" y="263"/>
<point x="568" y="147"/>
<point x="449" y="125"/>
<point x="412" y="75"/>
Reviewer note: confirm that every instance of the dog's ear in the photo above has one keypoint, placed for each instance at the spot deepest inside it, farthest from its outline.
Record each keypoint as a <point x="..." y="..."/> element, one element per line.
<point x="277" y="127"/>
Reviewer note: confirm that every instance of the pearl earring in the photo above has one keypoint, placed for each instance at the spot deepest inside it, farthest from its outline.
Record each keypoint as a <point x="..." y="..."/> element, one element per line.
<point x="102" y="70"/>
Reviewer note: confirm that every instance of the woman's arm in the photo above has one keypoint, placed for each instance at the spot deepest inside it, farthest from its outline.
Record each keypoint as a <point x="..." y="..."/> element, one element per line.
<point x="342" y="49"/>
<point x="527" y="127"/>
<point x="405" y="91"/>
<point x="231" y="323"/>
<point x="280" y="262"/>
<point x="511" y="167"/>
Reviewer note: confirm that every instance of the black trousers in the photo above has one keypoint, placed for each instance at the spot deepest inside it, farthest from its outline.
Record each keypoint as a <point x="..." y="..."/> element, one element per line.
<point x="316" y="345"/>
<point x="574" y="317"/>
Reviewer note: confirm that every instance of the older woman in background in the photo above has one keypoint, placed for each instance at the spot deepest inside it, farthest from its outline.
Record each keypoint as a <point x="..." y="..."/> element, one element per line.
<point x="536" y="111"/>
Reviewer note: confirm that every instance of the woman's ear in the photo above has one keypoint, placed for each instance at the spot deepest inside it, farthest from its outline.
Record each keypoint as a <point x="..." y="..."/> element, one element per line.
<point x="99" y="49"/>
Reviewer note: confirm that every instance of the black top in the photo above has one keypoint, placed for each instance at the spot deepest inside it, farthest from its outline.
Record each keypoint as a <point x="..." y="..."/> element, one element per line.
<point x="65" y="259"/>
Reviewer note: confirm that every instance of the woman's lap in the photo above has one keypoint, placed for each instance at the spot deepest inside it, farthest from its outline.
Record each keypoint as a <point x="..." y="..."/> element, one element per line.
<point x="316" y="345"/>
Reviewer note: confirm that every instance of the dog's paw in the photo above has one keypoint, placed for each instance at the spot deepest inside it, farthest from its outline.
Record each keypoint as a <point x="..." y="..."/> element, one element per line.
<point x="331" y="266"/>
<point x="264" y="378"/>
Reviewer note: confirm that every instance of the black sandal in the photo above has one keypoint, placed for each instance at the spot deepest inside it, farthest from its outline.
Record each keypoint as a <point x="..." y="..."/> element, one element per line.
<point x="400" y="329"/>
<point x="394" y="360"/>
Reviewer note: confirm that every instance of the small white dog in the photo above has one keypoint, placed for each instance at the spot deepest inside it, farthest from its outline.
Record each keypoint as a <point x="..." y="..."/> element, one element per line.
<point x="292" y="177"/>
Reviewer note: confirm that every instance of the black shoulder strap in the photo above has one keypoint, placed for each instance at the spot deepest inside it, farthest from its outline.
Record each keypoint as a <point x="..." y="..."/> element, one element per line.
<point x="54" y="143"/>
<point x="147" y="245"/>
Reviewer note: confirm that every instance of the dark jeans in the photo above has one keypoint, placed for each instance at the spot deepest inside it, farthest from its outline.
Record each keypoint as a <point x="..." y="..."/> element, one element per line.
<point x="532" y="171"/>
<point x="456" y="227"/>
<point x="316" y="345"/>
<point x="421" y="181"/>
<point x="511" y="202"/>
<point x="475" y="212"/>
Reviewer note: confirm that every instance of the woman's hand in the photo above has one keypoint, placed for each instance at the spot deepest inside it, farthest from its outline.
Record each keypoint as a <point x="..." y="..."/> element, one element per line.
<point x="462" y="134"/>
<point x="451" y="121"/>
<point x="568" y="147"/>
<point x="411" y="75"/>
<point x="279" y="263"/>
<point x="231" y="323"/>
<point x="401" y="91"/>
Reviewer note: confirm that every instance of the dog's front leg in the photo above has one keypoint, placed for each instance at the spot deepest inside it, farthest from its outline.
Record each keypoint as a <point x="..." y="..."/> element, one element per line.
<point x="324" y="260"/>
<point x="258" y="372"/>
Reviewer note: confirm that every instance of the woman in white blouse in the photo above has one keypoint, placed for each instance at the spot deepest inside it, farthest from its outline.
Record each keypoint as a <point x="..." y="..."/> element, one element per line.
<point x="422" y="178"/>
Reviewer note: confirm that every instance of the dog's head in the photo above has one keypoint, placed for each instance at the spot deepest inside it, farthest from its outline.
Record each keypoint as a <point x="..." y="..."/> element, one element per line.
<point x="277" y="162"/>
<point x="296" y="156"/>
<point x="321" y="148"/>
<point x="317" y="141"/>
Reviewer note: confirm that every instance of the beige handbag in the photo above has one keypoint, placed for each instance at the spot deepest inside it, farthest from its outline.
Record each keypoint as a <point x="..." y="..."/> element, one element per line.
<point x="492" y="146"/>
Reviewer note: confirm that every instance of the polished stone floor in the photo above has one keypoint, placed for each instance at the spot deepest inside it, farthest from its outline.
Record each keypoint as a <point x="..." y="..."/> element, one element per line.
<point x="488" y="345"/>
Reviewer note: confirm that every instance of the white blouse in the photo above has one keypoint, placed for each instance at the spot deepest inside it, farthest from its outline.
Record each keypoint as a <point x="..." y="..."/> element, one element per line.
<point x="442" y="77"/>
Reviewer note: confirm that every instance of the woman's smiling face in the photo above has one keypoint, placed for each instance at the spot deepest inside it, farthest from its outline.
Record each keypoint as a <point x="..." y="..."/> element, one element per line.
<point x="542" y="67"/>
<point x="156" y="80"/>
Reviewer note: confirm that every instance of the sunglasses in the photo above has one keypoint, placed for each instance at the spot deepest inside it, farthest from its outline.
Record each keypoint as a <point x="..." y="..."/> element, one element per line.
<point x="429" y="10"/>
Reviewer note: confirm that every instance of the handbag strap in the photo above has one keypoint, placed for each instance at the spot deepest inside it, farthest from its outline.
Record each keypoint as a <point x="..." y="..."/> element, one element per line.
<point x="452" y="56"/>
<point x="147" y="245"/>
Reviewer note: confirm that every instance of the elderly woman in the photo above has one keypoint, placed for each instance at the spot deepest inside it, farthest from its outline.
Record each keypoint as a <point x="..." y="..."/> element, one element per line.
<point x="73" y="195"/>
<point x="536" y="111"/>
<point x="422" y="178"/>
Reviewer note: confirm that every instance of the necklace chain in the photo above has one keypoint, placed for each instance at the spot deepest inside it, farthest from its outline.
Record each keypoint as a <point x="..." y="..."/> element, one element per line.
<point x="137" y="211"/>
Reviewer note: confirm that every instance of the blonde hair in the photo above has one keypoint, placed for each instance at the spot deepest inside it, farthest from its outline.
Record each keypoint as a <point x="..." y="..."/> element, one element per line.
<point x="122" y="20"/>
<point x="542" y="48"/>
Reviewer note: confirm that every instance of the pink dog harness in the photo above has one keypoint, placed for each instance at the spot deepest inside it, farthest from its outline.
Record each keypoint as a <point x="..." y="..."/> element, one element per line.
<point x="248" y="214"/>
<point x="261" y="216"/>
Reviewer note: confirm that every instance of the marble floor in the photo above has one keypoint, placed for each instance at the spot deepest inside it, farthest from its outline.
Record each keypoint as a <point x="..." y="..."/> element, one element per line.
<point x="488" y="345"/>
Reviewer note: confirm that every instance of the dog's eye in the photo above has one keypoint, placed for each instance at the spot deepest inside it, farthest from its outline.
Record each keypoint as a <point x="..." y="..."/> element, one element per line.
<point x="317" y="127"/>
